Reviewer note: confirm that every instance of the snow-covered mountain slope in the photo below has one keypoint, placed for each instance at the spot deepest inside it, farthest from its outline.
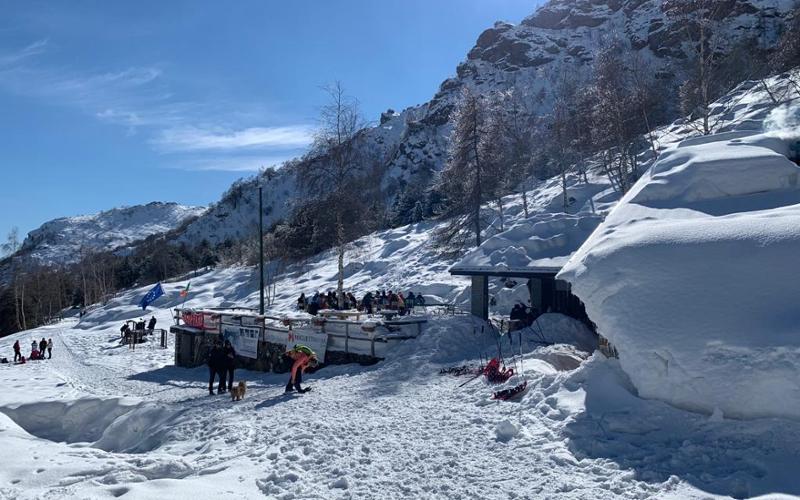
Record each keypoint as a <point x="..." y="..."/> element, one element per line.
<point x="693" y="276"/>
<point x="558" y="38"/>
<point x="65" y="240"/>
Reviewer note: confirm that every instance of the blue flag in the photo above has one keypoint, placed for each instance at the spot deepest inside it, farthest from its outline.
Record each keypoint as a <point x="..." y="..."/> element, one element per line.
<point x="151" y="296"/>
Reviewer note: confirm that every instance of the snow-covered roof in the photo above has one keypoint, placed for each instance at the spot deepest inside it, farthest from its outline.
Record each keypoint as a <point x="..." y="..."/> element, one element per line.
<point x="693" y="276"/>
<point x="540" y="244"/>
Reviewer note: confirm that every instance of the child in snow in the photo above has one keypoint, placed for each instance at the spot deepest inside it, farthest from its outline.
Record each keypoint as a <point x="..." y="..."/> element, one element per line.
<point x="303" y="357"/>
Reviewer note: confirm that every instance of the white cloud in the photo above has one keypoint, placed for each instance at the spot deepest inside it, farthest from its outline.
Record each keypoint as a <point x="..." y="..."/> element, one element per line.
<point x="140" y="98"/>
<point x="33" y="49"/>
<point x="234" y="163"/>
<point x="197" y="139"/>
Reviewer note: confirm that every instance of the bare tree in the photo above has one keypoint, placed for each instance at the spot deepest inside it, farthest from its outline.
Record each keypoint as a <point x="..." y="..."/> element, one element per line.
<point x="517" y="124"/>
<point x="697" y="21"/>
<point x="336" y="163"/>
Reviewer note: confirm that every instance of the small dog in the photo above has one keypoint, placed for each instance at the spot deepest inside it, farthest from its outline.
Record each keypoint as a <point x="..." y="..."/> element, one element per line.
<point x="237" y="393"/>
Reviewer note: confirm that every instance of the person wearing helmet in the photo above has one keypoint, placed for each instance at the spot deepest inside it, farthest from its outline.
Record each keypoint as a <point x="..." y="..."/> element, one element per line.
<point x="303" y="357"/>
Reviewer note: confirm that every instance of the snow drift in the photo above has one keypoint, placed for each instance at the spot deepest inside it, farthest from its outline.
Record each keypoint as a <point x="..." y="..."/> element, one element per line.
<point x="693" y="276"/>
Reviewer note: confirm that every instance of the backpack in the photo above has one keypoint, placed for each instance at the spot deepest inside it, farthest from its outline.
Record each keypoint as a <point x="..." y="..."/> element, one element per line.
<point x="304" y="349"/>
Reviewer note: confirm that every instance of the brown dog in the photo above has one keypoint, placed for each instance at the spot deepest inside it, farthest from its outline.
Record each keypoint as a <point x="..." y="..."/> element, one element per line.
<point x="237" y="393"/>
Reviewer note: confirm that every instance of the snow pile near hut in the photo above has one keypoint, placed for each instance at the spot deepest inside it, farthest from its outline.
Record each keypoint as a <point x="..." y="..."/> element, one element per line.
<point x="693" y="277"/>
<point x="545" y="240"/>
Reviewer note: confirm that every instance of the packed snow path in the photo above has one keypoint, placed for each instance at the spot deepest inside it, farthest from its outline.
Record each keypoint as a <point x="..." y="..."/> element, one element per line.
<point x="99" y="420"/>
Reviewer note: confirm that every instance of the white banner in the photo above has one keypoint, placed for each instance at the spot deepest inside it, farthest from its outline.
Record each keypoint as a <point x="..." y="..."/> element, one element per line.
<point x="243" y="339"/>
<point x="317" y="341"/>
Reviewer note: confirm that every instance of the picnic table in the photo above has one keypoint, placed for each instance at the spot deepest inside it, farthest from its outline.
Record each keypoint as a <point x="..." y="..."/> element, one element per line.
<point x="388" y="313"/>
<point x="344" y="315"/>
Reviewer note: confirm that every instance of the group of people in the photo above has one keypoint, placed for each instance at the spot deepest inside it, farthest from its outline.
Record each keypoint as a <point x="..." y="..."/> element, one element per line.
<point x="38" y="350"/>
<point x="369" y="303"/>
<point x="222" y="365"/>
<point x="523" y="315"/>
<point x="138" y="326"/>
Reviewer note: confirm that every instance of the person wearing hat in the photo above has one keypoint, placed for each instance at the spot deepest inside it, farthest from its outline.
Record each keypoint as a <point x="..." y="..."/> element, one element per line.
<point x="303" y="357"/>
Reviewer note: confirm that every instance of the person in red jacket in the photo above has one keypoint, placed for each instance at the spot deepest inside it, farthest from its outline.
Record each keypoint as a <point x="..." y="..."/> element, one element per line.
<point x="303" y="357"/>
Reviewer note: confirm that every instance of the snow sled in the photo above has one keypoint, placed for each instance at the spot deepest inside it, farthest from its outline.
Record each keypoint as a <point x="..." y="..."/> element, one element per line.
<point x="513" y="393"/>
<point x="495" y="374"/>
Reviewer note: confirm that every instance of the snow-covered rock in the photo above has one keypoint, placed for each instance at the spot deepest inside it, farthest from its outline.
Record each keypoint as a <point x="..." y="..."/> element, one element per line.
<point x="693" y="277"/>
<point x="66" y="239"/>
<point x="542" y="241"/>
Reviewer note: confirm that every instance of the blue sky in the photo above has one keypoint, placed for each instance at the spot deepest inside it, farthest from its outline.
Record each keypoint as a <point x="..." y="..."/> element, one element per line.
<point x="105" y="104"/>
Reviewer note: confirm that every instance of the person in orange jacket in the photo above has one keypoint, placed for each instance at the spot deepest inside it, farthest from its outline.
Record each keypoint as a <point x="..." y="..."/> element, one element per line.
<point x="303" y="357"/>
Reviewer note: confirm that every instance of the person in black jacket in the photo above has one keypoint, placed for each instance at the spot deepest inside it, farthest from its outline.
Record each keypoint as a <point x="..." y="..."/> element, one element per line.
<point x="230" y="362"/>
<point x="366" y="302"/>
<point x="42" y="347"/>
<point x="216" y="367"/>
<point x="152" y="324"/>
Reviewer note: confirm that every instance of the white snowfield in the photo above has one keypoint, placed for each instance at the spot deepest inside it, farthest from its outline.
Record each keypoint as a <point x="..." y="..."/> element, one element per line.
<point x="694" y="277"/>
<point x="102" y="421"/>
<point x="67" y="239"/>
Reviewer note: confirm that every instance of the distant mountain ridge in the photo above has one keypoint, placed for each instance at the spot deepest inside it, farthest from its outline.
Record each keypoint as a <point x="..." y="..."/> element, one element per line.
<point x="66" y="239"/>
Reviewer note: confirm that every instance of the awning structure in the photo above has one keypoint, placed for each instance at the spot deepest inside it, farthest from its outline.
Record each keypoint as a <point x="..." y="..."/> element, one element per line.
<point x="534" y="249"/>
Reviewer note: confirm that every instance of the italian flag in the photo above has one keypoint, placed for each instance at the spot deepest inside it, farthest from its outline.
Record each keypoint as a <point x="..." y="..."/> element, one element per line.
<point x="185" y="291"/>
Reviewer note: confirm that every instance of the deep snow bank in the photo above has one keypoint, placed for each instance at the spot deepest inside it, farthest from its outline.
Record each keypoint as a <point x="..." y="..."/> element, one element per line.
<point x="694" y="277"/>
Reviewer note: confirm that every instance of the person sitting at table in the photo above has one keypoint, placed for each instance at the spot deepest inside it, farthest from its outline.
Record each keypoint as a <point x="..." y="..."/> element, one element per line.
<point x="353" y="303"/>
<point x="401" y="304"/>
<point x="313" y="304"/>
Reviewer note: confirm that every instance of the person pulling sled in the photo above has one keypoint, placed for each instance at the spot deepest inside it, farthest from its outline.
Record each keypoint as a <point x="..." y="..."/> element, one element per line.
<point x="303" y="358"/>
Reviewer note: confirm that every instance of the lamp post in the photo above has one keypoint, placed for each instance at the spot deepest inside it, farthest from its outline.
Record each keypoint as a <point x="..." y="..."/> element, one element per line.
<point x="260" y="250"/>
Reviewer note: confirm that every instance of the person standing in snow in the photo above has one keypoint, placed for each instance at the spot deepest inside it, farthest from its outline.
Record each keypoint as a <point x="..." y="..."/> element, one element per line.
<point x="230" y="362"/>
<point x="152" y="324"/>
<point x="49" y="349"/>
<point x="216" y="367"/>
<point x="17" y="353"/>
<point x="303" y="357"/>
<point x="42" y="347"/>
<point x="366" y="302"/>
<point x="302" y="303"/>
<point x="420" y="300"/>
<point x="401" y="304"/>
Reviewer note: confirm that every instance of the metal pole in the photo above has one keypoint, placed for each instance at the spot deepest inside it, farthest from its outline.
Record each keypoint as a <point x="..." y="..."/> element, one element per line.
<point x="261" y="250"/>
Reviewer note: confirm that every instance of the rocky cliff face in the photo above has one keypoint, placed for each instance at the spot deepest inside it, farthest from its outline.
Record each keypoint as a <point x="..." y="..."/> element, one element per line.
<point x="561" y="36"/>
